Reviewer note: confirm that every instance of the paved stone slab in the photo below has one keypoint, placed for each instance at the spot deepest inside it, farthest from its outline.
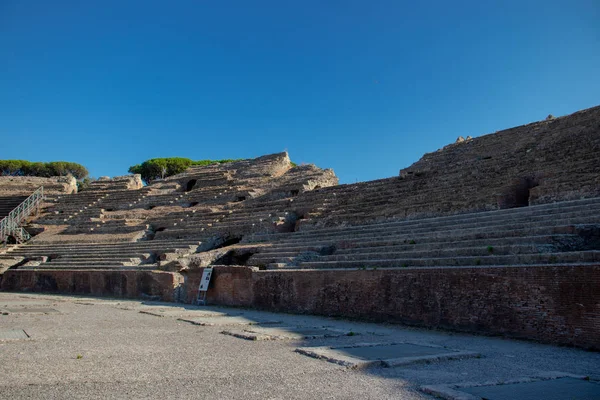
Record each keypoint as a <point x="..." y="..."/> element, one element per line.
<point x="30" y="310"/>
<point x="13" y="334"/>
<point x="24" y="302"/>
<point x="239" y="320"/>
<point x="545" y="386"/>
<point x="185" y="313"/>
<point x="285" y="332"/>
<point x="554" y="389"/>
<point x="386" y="354"/>
<point x="99" y="302"/>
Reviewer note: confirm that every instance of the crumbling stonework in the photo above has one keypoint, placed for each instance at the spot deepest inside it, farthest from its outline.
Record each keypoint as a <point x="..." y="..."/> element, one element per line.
<point x="125" y="182"/>
<point x="25" y="185"/>
<point x="553" y="304"/>
<point x="473" y="237"/>
<point x="133" y="284"/>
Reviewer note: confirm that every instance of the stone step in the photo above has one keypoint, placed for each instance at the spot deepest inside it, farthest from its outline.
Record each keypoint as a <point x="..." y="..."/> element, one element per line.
<point x="415" y="209"/>
<point x="495" y="242"/>
<point x="89" y="263"/>
<point x="449" y="252"/>
<point x="582" y="208"/>
<point x="592" y="256"/>
<point x="386" y="245"/>
<point x="88" y="267"/>
<point x="85" y="258"/>
<point x="116" y="253"/>
<point x="145" y="243"/>
<point x="425" y="234"/>
<point x="262" y="258"/>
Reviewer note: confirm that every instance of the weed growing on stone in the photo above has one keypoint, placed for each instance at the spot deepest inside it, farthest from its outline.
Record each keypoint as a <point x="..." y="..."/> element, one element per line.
<point x="478" y="262"/>
<point x="412" y="242"/>
<point x="490" y="249"/>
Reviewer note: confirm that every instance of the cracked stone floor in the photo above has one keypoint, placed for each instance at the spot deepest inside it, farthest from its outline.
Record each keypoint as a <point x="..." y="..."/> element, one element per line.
<point x="59" y="347"/>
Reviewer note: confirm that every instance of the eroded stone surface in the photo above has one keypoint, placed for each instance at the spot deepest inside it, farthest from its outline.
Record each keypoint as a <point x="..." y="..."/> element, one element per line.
<point x="29" y="310"/>
<point x="13" y="334"/>
<point x="385" y="354"/>
<point x="545" y="385"/>
<point x="233" y="320"/>
<point x="286" y="333"/>
<point x="553" y="389"/>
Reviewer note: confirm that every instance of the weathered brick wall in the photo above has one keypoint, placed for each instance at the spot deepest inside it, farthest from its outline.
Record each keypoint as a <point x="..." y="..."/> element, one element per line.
<point x="132" y="284"/>
<point x="553" y="304"/>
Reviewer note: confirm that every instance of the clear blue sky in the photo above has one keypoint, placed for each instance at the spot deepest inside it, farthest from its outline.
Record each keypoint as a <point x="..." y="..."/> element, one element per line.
<point x="363" y="87"/>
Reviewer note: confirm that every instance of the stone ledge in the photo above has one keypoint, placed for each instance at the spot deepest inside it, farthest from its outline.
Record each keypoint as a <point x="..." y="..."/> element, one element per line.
<point x="453" y="391"/>
<point x="336" y="355"/>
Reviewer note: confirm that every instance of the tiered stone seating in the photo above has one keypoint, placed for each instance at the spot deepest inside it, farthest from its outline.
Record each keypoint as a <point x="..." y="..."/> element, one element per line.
<point x="8" y="203"/>
<point x="143" y="254"/>
<point x="556" y="160"/>
<point x="523" y="196"/>
<point x="112" y="225"/>
<point x="25" y="185"/>
<point x="543" y="234"/>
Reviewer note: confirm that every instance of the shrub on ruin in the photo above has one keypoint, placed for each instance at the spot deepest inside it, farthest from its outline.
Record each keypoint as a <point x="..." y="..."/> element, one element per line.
<point x="41" y="169"/>
<point x="160" y="168"/>
<point x="84" y="184"/>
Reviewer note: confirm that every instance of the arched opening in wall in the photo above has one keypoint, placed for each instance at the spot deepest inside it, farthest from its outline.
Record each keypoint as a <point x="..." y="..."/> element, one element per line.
<point x="518" y="193"/>
<point x="161" y="229"/>
<point x="234" y="257"/>
<point x="150" y="207"/>
<point x="190" y="185"/>
<point x="294" y="192"/>
<point x="229" y="241"/>
<point x="148" y="287"/>
<point x="11" y="240"/>
<point x="240" y="198"/>
<point x="300" y="216"/>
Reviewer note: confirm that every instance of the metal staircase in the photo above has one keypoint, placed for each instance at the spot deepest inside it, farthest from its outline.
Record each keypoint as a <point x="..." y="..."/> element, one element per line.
<point x="10" y="226"/>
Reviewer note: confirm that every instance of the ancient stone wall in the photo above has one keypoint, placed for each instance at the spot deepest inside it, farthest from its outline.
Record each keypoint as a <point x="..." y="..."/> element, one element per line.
<point x="553" y="304"/>
<point x="125" y="182"/>
<point x="129" y="284"/>
<point x="538" y="163"/>
<point x="204" y="202"/>
<point x="26" y="185"/>
<point x="541" y="162"/>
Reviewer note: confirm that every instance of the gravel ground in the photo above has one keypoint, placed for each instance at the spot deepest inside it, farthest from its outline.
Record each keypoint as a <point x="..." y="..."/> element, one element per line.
<point x="107" y="349"/>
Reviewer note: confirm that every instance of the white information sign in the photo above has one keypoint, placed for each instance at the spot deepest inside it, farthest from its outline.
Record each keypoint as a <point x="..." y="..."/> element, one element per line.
<point x="206" y="274"/>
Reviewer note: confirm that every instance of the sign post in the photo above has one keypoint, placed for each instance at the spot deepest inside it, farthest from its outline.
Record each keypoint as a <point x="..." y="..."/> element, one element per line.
<point x="203" y="288"/>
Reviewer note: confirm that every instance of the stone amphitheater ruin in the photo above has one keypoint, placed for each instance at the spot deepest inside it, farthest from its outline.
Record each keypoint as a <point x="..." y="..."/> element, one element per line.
<point x="498" y="234"/>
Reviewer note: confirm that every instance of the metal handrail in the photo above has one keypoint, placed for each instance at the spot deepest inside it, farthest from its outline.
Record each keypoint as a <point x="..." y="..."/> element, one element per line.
<point x="11" y="224"/>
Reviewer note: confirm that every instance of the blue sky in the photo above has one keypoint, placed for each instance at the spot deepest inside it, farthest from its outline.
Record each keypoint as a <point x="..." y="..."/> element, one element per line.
<point x="363" y="87"/>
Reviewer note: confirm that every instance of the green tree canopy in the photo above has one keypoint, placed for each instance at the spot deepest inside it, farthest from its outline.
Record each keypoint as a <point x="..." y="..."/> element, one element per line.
<point x="160" y="168"/>
<point x="42" y="169"/>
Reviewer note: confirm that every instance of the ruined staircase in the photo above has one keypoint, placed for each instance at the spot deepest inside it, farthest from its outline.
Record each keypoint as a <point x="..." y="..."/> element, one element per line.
<point x="10" y="224"/>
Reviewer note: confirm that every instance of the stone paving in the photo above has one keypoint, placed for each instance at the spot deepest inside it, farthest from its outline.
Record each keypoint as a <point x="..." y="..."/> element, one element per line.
<point x="110" y="348"/>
